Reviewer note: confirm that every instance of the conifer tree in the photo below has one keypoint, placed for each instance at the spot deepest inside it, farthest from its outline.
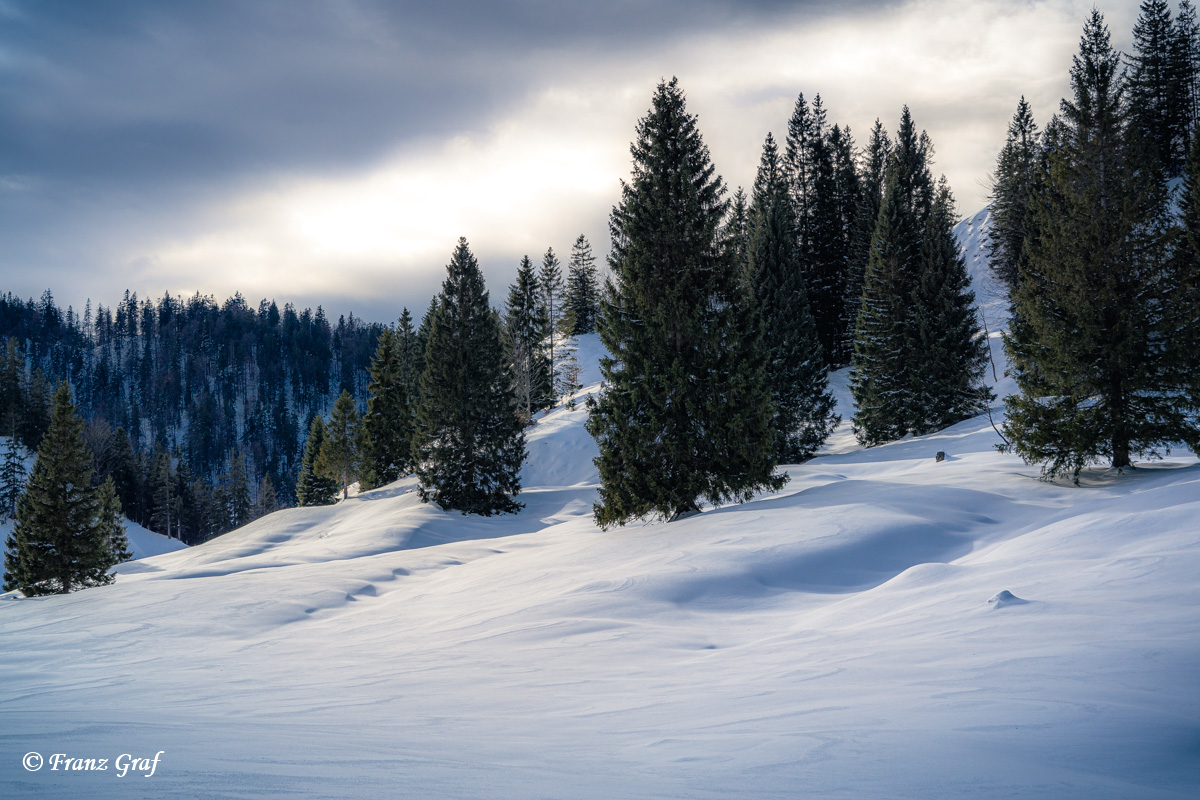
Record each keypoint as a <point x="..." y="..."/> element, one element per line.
<point x="268" y="500"/>
<point x="795" y="369"/>
<point x="950" y="351"/>
<point x="1103" y="351"/>
<point x="240" y="502"/>
<point x="1156" y="89"/>
<point x="12" y="394"/>
<point x="551" y="285"/>
<point x="737" y="231"/>
<point x="882" y="378"/>
<point x="12" y="478"/>
<point x="1013" y="186"/>
<point x="870" y="198"/>
<point x="525" y="325"/>
<point x="582" y="295"/>
<point x="59" y="542"/>
<point x="1186" y="57"/>
<point x="844" y="204"/>
<point x="406" y="343"/>
<point x="313" y="488"/>
<point x="36" y="417"/>
<point x="686" y="412"/>
<point x="340" y="458"/>
<point x="160" y="483"/>
<point x="422" y="342"/>
<point x="112" y="523"/>
<point x="387" y="425"/>
<point x="469" y="444"/>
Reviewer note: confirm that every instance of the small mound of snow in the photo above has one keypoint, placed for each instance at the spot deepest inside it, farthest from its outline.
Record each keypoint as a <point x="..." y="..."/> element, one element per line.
<point x="1006" y="598"/>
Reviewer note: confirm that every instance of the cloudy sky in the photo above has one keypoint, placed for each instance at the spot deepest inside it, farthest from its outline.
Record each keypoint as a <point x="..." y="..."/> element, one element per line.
<point x="332" y="151"/>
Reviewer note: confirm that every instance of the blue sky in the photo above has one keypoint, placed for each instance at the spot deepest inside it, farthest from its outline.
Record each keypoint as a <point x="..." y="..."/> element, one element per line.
<point x="332" y="152"/>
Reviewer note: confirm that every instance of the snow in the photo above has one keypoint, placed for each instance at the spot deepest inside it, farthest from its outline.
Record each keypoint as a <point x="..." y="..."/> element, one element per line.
<point x="858" y="634"/>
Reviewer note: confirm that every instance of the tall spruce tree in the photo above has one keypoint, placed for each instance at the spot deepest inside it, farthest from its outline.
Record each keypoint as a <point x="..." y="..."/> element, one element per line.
<point x="60" y="542"/>
<point x="882" y="379"/>
<point x="950" y="353"/>
<point x="313" y="488"/>
<point x="1186" y="56"/>
<point x="406" y="344"/>
<point x="1156" y="90"/>
<point x="387" y="425"/>
<point x="1102" y="351"/>
<point x="795" y="369"/>
<point x="845" y="203"/>
<point x="525" y="325"/>
<point x="582" y="295"/>
<point x="341" y="455"/>
<point x="241" y="505"/>
<point x="470" y="443"/>
<point x="1013" y="185"/>
<point x="686" y="412"/>
<point x="12" y="477"/>
<point x="870" y="197"/>
<point x="551" y="284"/>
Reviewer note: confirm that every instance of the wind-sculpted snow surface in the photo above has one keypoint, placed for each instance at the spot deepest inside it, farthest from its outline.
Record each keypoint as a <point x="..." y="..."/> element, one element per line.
<point x="840" y="639"/>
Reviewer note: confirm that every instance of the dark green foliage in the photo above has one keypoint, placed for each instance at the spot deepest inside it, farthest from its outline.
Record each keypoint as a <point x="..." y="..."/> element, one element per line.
<point x="1157" y="94"/>
<point x="949" y="354"/>
<point x="12" y="388"/>
<point x="238" y="487"/>
<point x="1013" y="186"/>
<point x="737" y="231"/>
<point x="12" y="477"/>
<point x="387" y="425"/>
<point x="581" y="301"/>
<point x="406" y="344"/>
<point x="686" y="412"/>
<point x="112" y="523"/>
<point x="422" y="341"/>
<point x="36" y="417"/>
<point x="340" y="457"/>
<point x="551" y="285"/>
<point x="882" y="380"/>
<point x="267" y="501"/>
<point x="469" y="444"/>
<point x="60" y="542"/>
<point x="1102" y="346"/>
<point x="313" y="488"/>
<point x="866" y="216"/>
<point x="843" y="220"/>
<point x="795" y="370"/>
<point x="1186" y="57"/>
<point x="525" y="324"/>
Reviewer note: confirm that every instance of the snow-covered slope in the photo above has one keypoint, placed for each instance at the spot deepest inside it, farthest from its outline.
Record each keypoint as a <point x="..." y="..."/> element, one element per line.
<point x="838" y="639"/>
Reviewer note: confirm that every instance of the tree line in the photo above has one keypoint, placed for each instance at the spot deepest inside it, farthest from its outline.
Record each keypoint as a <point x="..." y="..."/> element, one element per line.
<point x="1095" y="222"/>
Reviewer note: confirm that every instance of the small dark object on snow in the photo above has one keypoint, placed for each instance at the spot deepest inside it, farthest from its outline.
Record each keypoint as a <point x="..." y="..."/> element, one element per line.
<point x="940" y="457"/>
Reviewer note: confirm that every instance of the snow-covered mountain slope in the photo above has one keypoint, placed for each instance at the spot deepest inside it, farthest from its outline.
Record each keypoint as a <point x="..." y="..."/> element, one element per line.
<point x="837" y="640"/>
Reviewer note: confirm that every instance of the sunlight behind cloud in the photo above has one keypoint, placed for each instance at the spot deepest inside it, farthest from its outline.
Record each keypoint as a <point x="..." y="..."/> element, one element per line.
<point x="550" y="169"/>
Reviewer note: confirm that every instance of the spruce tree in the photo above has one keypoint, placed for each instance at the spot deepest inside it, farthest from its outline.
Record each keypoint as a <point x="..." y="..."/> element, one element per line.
<point x="268" y="500"/>
<point x="1186" y="57"/>
<point x="950" y="353"/>
<point x="470" y="443"/>
<point x="1013" y="185"/>
<point x="12" y="394"/>
<point x="112" y="523"/>
<point x="313" y="488"/>
<point x="882" y="379"/>
<point x="12" y="478"/>
<point x="551" y="285"/>
<point x="866" y="216"/>
<point x="340" y="456"/>
<point x="59" y="542"/>
<point x="387" y="425"/>
<point x="582" y="295"/>
<point x="525" y="324"/>
<point x="737" y="230"/>
<point x="845" y="203"/>
<point x="795" y="369"/>
<point x="406" y="344"/>
<point x="1156" y="90"/>
<point x="240" y="502"/>
<point x="686" y="412"/>
<point x="422" y="341"/>
<point x="1103" y="348"/>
